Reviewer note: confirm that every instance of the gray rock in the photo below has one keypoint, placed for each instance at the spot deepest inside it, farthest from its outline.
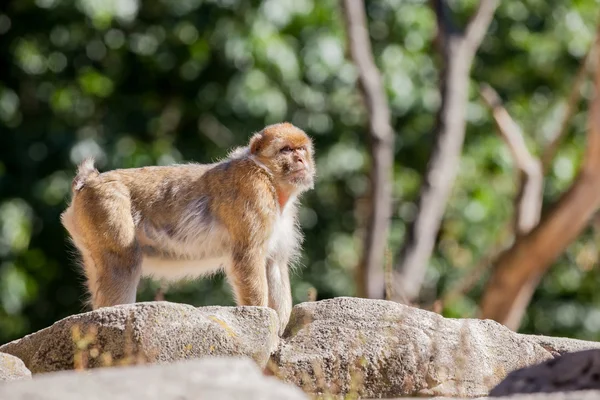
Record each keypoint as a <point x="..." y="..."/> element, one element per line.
<point x="559" y="346"/>
<point x="153" y="332"/>
<point x="209" y="378"/>
<point x="583" y="395"/>
<point x="570" y="372"/>
<point x="382" y="349"/>
<point x="12" y="369"/>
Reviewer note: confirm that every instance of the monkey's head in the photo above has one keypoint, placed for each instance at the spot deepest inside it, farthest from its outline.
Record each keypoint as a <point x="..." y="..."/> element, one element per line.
<point x="288" y="153"/>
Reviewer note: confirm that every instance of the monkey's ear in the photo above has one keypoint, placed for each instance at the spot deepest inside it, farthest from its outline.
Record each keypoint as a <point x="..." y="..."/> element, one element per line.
<point x="256" y="143"/>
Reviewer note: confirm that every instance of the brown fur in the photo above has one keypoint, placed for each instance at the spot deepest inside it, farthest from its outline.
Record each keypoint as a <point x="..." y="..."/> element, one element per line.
<point x="240" y="212"/>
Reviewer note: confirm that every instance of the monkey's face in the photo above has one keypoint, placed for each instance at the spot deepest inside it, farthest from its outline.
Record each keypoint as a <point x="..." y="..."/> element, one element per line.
<point x="295" y="166"/>
<point x="288" y="153"/>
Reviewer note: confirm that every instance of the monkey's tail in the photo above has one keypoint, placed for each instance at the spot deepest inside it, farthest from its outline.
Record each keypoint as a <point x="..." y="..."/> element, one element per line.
<point x="85" y="171"/>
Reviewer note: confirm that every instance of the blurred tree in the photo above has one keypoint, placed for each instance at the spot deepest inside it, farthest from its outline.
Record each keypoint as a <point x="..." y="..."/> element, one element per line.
<point x="457" y="50"/>
<point x="154" y="83"/>
<point x="370" y="277"/>
<point x="138" y="83"/>
<point x="518" y="270"/>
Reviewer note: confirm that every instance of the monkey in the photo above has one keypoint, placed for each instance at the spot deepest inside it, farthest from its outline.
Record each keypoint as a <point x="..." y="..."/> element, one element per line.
<point x="238" y="215"/>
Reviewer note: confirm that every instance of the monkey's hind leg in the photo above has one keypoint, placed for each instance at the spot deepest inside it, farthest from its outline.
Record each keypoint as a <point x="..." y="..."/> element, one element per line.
<point x="113" y="259"/>
<point x="86" y="264"/>
<point x="118" y="278"/>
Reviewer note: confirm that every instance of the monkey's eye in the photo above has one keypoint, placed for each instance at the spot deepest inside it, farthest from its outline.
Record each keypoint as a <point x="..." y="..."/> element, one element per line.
<point x="285" y="149"/>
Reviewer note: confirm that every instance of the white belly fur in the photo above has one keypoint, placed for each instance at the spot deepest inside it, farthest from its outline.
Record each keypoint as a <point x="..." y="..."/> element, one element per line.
<point x="199" y="247"/>
<point x="174" y="270"/>
<point x="202" y="246"/>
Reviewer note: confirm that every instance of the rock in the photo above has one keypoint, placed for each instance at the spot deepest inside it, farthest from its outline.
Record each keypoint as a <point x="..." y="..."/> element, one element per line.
<point x="153" y="332"/>
<point x="586" y="395"/>
<point x="559" y="346"/>
<point x="208" y="378"/>
<point x="570" y="372"/>
<point x="583" y="395"/>
<point x="12" y="369"/>
<point x="382" y="349"/>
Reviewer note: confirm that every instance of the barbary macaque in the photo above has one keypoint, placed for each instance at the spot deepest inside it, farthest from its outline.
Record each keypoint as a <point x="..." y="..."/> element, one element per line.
<point x="190" y="220"/>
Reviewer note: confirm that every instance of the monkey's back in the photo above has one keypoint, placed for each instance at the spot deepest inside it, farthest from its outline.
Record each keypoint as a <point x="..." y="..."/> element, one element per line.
<point x="174" y="210"/>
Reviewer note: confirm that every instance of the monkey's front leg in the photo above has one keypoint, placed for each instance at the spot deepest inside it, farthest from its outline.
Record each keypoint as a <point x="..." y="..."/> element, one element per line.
<point x="248" y="278"/>
<point x="280" y="292"/>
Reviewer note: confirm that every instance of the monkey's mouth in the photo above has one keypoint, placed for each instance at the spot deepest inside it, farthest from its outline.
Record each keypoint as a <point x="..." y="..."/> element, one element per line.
<point x="299" y="173"/>
<point x="300" y="177"/>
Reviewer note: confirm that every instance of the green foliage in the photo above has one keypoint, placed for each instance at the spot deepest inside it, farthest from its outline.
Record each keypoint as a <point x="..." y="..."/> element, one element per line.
<point x="137" y="83"/>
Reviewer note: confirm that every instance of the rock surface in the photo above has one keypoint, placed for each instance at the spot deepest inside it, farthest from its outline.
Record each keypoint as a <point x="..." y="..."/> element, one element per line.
<point x="583" y="395"/>
<point x="12" y="369"/>
<point x="209" y="378"/>
<point x="570" y="372"/>
<point x="369" y="348"/>
<point x="389" y="350"/>
<point x="559" y="346"/>
<point x="153" y="332"/>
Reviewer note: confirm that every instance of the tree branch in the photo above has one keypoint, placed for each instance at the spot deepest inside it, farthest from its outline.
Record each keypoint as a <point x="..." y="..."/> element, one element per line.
<point x="479" y="23"/>
<point x="471" y="277"/>
<point x="370" y="270"/>
<point x="518" y="270"/>
<point x="571" y="106"/>
<point x="591" y="160"/>
<point x="509" y="130"/>
<point x="528" y="202"/>
<point x="413" y="256"/>
<point x="445" y="26"/>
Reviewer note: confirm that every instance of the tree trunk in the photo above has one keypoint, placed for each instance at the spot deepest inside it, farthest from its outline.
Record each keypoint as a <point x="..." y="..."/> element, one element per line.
<point x="458" y="52"/>
<point x="370" y="274"/>
<point x="518" y="270"/>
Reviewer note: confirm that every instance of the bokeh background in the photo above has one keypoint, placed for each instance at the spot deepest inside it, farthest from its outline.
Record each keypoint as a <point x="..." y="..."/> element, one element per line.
<point x="136" y="83"/>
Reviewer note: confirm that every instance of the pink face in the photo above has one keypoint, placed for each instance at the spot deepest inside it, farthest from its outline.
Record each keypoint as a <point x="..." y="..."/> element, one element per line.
<point x="288" y="152"/>
<point x="297" y="165"/>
